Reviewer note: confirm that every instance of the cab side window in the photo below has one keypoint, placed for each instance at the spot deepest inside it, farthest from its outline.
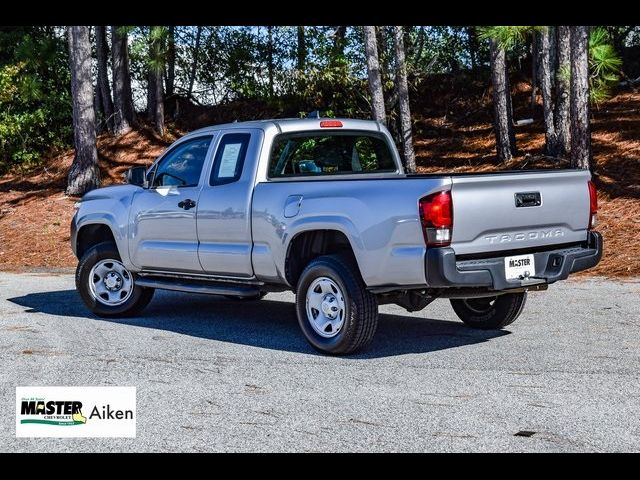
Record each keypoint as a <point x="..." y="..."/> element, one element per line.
<point x="182" y="166"/>
<point x="229" y="159"/>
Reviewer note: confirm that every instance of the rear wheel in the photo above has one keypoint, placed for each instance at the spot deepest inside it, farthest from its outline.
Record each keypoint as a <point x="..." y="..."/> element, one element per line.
<point x="106" y="286"/>
<point x="335" y="311"/>
<point x="490" y="313"/>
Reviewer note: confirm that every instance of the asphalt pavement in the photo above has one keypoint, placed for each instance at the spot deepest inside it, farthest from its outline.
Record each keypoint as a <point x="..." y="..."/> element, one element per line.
<point x="220" y="375"/>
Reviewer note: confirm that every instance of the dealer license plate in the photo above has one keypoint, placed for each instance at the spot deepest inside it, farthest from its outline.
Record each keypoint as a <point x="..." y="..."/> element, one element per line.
<point x="519" y="267"/>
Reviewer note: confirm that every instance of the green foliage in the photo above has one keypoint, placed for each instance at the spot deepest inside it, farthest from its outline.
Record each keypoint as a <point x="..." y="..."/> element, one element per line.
<point x="157" y="47"/>
<point x="233" y="64"/>
<point x="35" y="108"/>
<point x="507" y="36"/>
<point x="604" y="65"/>
<point x="334" y="89"/>
<point x="436" y="49"/>
<point x="604" y="62"/>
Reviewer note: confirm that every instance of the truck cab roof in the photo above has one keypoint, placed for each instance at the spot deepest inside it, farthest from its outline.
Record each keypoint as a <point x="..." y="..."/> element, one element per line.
<point x="287" y="125"/>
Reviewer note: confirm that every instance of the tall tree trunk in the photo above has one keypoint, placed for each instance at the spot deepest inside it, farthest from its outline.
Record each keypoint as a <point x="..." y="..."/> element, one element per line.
<point x="547" y="91"/>
<point x="373" y="71"/>
<point x="157" y="67"/>
<point x="124" y="113"/>
<point x="472" y="43"/>
<point x="301" y="56"/>
<point x="270" y="66"/>
<point x="387" y="71"/>
<point x="553" y="55"/>
<point x="403" y="98"/>
<point x="501" y="97"/>
<point x="339" y="42"/>
<point x="194" y="62"/>
<point x="417" y="57"/>
<point x="151" y="77"/>
<point x="563" y="88"/>
<point x="510" y="122"/>
<point x="151" y="94"/>
<point x="534" y="70"/>
<point x="159" y="104"/>
<point x="102" y="54"/>
<point x="97" y="109"/>
<point x="171" y="60"/>
<point x="580" y="129"/>
<point x="84" y="174"/>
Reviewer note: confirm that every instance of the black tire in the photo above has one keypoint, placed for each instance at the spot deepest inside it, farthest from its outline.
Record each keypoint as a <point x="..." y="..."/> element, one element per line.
<point x="360" y="313"/>
<point x="137" y="301"/>
<point x="490" y="313"/>
<point x="260" y="296"/>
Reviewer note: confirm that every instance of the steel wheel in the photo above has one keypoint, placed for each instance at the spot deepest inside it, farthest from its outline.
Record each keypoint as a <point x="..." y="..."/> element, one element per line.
<point x="336" y="312"/>
<point x="325" y="307"/>
<point x="110" y="283"/>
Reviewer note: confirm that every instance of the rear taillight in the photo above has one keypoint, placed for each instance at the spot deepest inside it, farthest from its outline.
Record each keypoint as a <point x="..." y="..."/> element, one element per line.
<point x="593" y="205"/>
<point x="436" y="213"/>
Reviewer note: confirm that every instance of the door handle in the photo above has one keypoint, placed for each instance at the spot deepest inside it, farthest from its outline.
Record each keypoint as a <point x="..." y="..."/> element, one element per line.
<point x="187" y="204"/>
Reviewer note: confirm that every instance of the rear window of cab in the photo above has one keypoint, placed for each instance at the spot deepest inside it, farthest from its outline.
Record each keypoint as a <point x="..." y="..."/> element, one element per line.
<point x="331" y="153"/>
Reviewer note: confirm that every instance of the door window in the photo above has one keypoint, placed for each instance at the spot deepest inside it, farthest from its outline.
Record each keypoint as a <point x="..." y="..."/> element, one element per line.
<point x="227" y="166"/>
<point x="182" y="166"/>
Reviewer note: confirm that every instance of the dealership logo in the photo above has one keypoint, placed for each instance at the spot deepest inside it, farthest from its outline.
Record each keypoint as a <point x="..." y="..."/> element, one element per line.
<point x="52" y="412"/>
<point x="75" y="411"/>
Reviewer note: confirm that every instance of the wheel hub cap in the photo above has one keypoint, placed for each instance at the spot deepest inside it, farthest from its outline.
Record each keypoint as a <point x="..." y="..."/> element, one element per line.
<point x="330" y="306"/>
<point x="113" y="281"/>
<point x="326" y="309"/>
<point x="110" y="283"/>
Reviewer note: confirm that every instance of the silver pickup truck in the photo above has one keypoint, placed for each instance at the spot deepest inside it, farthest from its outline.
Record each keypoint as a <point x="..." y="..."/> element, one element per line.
<point x="323" y="207"/>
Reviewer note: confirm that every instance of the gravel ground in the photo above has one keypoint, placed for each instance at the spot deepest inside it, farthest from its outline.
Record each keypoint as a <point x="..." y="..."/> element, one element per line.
<point x="219" y="375"/>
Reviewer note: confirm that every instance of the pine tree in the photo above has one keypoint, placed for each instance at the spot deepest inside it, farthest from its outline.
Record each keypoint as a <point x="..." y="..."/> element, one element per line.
<point x="124" y="113"/>
<point x="84" y="174"/>
<point x="503" y="120"/>
<point x="403" y="100"/>
<point x="580" y="128"/>
<point x="104" y="91"/>
<point x="561" y="116"/>
<point x="373" y="70"/>
<point x="155" y="107"/>
<point x="546" y="85"/>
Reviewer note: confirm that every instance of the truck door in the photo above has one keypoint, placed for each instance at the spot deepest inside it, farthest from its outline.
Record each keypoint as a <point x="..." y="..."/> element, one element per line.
<point x="224" y="212"/>
<point x="163" y="234"/>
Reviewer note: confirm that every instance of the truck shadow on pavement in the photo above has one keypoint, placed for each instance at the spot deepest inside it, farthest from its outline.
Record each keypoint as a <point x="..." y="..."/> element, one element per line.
<point x="266" y="323"/>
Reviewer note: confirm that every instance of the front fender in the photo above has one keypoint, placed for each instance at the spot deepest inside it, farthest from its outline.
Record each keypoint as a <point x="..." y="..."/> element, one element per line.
<point x="108" y="206"/>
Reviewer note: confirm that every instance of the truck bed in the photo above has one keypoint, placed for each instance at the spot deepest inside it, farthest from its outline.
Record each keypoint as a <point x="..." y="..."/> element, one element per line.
<point x="380" y="217"/>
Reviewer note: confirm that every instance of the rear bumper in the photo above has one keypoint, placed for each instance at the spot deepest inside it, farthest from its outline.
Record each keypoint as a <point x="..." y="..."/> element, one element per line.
<point x="443" y="271"/>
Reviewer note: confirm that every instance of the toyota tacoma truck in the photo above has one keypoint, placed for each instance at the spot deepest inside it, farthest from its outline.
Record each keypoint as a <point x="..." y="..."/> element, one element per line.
<point x="324" y="208"/>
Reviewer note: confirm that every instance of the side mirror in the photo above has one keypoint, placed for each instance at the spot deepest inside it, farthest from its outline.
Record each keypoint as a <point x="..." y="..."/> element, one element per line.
<point x="137" y="176"/>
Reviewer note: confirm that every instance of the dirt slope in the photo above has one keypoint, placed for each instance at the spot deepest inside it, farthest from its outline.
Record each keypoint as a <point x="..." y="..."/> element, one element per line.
<point x="35" y="214"/>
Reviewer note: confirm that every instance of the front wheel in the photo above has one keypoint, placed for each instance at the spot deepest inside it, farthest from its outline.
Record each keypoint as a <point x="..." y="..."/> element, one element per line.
<point x="335" y="311"/>
<point x="106" y="286"/>
<point x="490" y="313"/>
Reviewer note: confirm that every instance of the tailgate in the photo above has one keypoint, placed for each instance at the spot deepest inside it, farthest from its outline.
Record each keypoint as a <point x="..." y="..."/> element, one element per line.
<point x="500" y="212"/>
